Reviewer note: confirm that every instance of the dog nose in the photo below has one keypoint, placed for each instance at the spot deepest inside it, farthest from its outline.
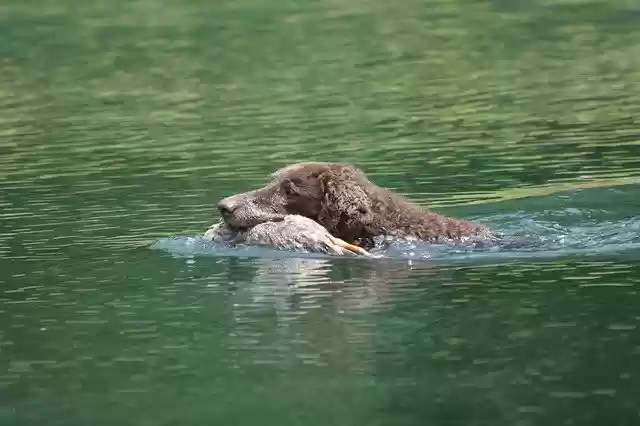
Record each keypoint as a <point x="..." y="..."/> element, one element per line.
<point x="226" y="207"/>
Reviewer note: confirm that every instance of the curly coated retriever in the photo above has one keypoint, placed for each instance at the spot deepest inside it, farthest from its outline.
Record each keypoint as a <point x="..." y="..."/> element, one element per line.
<point x="341" y="198"/>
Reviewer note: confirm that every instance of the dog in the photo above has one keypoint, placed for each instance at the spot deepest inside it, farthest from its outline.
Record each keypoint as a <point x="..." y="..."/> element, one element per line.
<point x="343" y="200"/>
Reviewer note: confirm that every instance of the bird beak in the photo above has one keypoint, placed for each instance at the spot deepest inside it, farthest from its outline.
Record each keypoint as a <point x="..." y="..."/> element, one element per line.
<point x="350" y="247"/>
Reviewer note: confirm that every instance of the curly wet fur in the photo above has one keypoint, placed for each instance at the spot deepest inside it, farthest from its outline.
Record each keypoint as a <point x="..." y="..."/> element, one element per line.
<point x="341" y="198"/>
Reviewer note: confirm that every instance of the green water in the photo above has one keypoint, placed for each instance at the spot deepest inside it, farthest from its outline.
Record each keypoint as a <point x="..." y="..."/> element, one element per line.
<point x="122" y="122"/>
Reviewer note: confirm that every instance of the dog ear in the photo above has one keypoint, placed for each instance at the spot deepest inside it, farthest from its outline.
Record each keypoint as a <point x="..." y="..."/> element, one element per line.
<point x="345" y="207"/>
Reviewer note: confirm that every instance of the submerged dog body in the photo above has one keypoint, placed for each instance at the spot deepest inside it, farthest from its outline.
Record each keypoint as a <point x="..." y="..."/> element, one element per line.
<point x="346" y="203"/>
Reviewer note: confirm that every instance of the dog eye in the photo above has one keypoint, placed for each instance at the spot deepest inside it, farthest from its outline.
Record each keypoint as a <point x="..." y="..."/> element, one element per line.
<point x="288" y="187"/>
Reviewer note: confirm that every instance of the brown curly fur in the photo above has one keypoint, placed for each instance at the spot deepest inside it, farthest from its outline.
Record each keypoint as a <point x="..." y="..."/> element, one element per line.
<point x="342" y="199"/>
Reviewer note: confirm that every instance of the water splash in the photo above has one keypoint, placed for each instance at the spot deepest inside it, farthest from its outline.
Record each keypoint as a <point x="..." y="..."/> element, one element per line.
<point x="187" y="246"/>
<point x="534" y="237"/>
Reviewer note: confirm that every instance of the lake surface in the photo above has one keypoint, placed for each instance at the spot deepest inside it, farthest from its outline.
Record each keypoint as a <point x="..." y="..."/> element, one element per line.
<point x="123" y="122"/>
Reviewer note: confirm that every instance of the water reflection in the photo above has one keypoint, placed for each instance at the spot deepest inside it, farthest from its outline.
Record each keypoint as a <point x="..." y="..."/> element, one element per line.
<point x="459" y="344"/>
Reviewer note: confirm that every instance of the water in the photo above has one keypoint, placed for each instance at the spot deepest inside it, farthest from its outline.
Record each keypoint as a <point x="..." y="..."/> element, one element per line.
<point x="121" y="124"/>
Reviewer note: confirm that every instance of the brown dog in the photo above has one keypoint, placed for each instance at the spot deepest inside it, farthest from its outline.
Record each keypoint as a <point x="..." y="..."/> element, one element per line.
<point x="342" y="199"/>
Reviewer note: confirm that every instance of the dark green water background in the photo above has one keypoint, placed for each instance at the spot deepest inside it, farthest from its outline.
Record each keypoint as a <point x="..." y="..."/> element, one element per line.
<point x="122" y="122"/>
